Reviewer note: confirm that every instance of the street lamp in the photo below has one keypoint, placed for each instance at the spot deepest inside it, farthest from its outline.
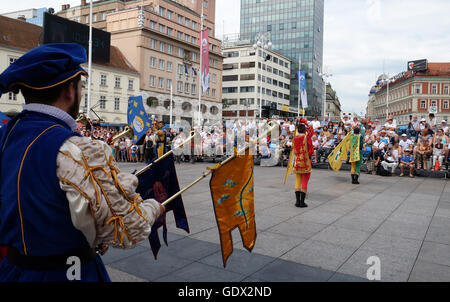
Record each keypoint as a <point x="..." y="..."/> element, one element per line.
<point x="387" y="81"/>
<point x="262" y="42"/>
<point x="324" y="77"/>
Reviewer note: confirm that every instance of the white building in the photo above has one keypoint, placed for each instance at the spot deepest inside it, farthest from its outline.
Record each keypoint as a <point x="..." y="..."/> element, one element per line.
<point x="112" y="83"/>
<point x="245" y="70"/>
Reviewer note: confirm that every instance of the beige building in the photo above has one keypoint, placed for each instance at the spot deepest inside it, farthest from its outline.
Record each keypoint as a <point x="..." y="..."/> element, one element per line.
<point x="333" y="105"/>
<point x="112" y="83"/>
<point x="161" y="38"/>
<point x="245" y="72"/>
<point x="416" y="93"/>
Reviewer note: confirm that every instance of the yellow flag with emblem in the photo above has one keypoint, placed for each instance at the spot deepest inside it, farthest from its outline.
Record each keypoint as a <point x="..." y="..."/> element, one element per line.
<point x="232" y="193"/>
<point x="339" y="153"/>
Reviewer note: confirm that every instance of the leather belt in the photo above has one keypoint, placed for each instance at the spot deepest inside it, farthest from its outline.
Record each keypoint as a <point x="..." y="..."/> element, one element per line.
<point x="44" y="263"/>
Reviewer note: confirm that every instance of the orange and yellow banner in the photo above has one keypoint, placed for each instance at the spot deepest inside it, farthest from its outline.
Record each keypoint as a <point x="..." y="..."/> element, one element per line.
<point x="232" y="193"/>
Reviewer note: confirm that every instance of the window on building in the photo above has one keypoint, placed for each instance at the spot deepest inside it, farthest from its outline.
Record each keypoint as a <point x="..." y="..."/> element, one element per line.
<point x="446" y="89"/>
<point x="160" y="83"/>
<point x="103" y="80"/>
<point x="104" y="16"/>
<point x="433" y="103"/>
<point x="423" y="104"/>
<point x="213" y="92"/>
<point x="186" y="37"/>
<point x="12" y="96"/>
<point x="117" y="82"/>
<point x="180" y="52"/>
<point x="152" y="81"/>
<point x="102" y="102"/>
<point x="161" y="46"/>
<point x="161" y="64"/>
<point x="152" y="43"/>
<point x="152" y="62"/>
<point x="179" y="35"/>
<point x="94" y="18"/>
<point x="169" y="31"/>
<point x="116" y="104"/>
<point x="168" y="84"/>
<point x="186" y="88"/>
<point x="152" y="25"/>
<point x="186" y="22"/>
<point x="194" y="25"/>
<point x="418" y="88"/>
<point x="193" y="88"/>
<point x="194" y="57"/>
<point x="169" y="14"/>
<point x="161" y="28"/>
<point x="214" y="78"/>
<point x="169" y="66"/>
<point x="169" y="49"/>
<point x="205" y="4"/>
<point x="180" y="86"/>
<point x="180" y="69"/>
<point x="434" y="89"/>
<point x="180" y="19"/>
<point x="130" y="84"/>
<point x="161" y="11"/>
<point x="445" y="104"/>
<point x="193" y="40"/>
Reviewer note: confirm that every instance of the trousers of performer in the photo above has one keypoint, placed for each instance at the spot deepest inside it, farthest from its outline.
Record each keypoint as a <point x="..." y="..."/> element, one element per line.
<point x="303" y="151"/>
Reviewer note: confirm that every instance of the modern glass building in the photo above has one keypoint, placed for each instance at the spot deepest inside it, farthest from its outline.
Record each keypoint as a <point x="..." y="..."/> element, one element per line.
<point x="296" y="31"/>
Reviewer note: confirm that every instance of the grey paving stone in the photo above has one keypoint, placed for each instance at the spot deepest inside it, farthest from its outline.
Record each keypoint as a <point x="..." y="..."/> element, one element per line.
<point x="266" y="221"/>
<point x="402" y="229"/>
<point x="438" y="235"/>
<point x="422" y="220"/>
<point x="298" y="228"/>
<point x="435" y="253"/>
<point x="366" y="222"/>
<point x="284" y="211"/>
<point x="342" y="237"/>
<point x="443" y="212"/>
<point x="393" y="245"/>
<point x="423" y="197"/>
<point x="240" y="261"/>
<point x="271" y="244"/>
<point x="285" y="271"/>
<point x="319" y="254"/>
<point x="338" y="208"/>
<point x="116" y="254"/>
<point x="418" y="209"/>
<point x="119" y="276"/>
<point x="429" y="272"/>
<point x="393" y="268"/>
<point x="440" y="222"/>
<point x="144" y="266"/>
<point x="191" y="249"/>
<point x="318" y="216"/>
<point x="199" y="272"/>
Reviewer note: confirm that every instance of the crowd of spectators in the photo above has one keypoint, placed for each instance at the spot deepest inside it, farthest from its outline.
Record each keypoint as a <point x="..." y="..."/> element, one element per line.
<point x="422" y="145"/>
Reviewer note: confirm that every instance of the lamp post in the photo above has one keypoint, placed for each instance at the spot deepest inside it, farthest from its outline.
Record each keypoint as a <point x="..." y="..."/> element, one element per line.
<point x="262" y="43"/>
<point x="387" y="81"/>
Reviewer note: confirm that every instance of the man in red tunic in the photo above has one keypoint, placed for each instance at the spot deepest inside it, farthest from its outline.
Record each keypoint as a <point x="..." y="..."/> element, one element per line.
<point x="303" y="150"/>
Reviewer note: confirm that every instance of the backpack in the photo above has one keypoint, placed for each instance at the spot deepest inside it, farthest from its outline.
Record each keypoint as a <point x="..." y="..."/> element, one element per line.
<point x="149" y="144"/>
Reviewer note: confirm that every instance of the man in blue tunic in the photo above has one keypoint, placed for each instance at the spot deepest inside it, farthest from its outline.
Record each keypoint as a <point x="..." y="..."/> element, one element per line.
<point x="62" y="197"/>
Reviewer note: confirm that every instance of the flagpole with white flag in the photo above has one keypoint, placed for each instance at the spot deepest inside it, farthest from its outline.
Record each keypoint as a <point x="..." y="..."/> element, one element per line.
<point x="89" y="61"/>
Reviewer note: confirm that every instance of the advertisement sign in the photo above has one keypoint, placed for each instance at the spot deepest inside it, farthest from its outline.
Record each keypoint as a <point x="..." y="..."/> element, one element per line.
<point x="419" y="65"/>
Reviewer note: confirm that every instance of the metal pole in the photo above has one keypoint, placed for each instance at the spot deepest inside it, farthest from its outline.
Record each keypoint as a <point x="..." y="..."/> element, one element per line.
<point x="260" y="92"/>
<point x="299" y="93"/>
<point x="171" y="100"/>
<point x="89" y="62"/>
<point x="387" y="101"/>
<point x="200" y="73"/>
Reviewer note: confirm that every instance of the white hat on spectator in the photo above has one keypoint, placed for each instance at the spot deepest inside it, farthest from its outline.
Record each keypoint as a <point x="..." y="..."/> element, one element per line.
<point x="443" y="121"/>
<point x="404" y="135"/>
<point x="423" y="120"/>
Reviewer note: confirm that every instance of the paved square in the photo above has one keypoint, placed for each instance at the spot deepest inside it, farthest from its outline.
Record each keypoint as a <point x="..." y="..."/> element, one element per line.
<point x="403" y="221"/>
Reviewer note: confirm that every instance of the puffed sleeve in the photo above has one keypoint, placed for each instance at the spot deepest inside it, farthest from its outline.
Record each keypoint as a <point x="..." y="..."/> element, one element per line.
<point x="310" y="146"/>
<point x="103" y="202"/>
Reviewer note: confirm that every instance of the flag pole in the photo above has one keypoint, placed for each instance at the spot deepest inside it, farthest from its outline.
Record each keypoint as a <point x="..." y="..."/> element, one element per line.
<point x="200" y="74"/>
<point x="206" y="174"/>
<point x="163" y="156"/>
<point x="89" y="62"/>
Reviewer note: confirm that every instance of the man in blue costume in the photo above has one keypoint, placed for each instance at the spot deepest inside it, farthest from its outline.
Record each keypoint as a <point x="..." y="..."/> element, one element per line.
<point x="62" y="197"/>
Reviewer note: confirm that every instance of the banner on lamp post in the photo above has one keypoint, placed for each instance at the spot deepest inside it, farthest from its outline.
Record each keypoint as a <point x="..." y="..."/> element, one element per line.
<point x="302" y="88"/>
<point x="205" y="59"/>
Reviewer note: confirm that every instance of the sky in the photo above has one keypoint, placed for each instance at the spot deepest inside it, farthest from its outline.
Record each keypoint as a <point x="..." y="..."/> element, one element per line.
<point x="362" y="38"/>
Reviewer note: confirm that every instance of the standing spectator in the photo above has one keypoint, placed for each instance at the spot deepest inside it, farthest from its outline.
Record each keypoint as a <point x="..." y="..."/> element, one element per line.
<point x="149" y="147"/>
<point x="407" y="160"/>
<point x="123" y="150"/>
<point x="377" y="127"/>
<point x="325" y="121"/>
<point x="444" y="127"/>
<point x="134" y="153"/>
<point x="432" y="122"/>
<point x="315" y="124"/>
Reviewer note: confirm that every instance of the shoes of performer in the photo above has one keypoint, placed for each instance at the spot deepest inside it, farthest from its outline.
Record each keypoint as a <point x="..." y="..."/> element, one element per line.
<point x="356" y="179"/>
<point x="297" y="198"/>
<point x="300" y="196"/>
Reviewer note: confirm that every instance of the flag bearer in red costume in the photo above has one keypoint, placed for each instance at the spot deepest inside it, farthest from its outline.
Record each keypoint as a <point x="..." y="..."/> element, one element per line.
<point x="303" y="150"/>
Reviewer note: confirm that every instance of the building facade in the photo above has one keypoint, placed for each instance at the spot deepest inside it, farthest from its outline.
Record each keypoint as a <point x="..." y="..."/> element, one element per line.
<point x="164" y="45"/>
<point x="112" y="83"/>
<point x="296" y="31"/>
<point x="245" y="72"/>
<point x="333" y="105"/>
<point x="416" y="93"/>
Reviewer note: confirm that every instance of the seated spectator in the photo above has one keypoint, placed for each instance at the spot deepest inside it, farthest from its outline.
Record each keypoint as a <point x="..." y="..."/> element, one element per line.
<point x="444" y="127"/>
<point x="405" y="143"/>
<point x="378" y="144"/>
<point x="347" y="122"/>
<point x="438" y="155"/>
<point x="325" y="131"/>
<point x="389" y="160"/>
<point x="390" y="126"/>
<point x="379" y="156"/>
<point x="384" y="138"/>
<point x="423" y="135"/>
<point x="316" y="146"/>
<point x="326" y="148"/>
<point x="423" y="154"/>
<point x="407" y="160"/>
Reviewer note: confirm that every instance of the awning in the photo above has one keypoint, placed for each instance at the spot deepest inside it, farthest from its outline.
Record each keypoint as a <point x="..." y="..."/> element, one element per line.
<point x="111" y="125"/>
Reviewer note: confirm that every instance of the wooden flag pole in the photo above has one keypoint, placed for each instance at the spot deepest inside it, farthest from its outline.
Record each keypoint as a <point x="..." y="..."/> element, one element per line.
<point x="206" y="174"/>
<point x="163" y="156"/>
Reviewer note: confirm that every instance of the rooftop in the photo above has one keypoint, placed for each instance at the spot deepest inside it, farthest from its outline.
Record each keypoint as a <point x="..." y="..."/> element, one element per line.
<point x="25" y="36"/>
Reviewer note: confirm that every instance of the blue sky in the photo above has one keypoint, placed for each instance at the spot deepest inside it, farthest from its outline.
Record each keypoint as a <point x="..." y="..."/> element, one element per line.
<point x="360" y="38"/>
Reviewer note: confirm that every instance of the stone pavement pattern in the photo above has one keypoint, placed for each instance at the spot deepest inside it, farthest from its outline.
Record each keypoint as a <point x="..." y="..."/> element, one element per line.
<point x="403" y="221"/>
